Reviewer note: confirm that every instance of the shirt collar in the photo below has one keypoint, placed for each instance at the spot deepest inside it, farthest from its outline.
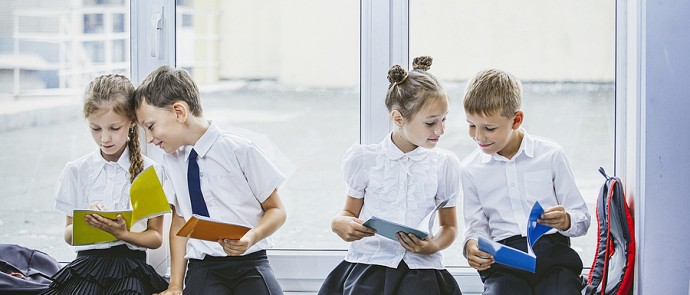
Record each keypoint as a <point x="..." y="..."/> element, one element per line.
<point x="526" y="147"/>
<point x="203" y="145"/>
<point x="123" y="161"/>
<point x="394" y="153"/>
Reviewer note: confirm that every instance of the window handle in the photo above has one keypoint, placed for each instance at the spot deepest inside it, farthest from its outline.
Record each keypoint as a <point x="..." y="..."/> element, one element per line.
<point x="157" y="29"/>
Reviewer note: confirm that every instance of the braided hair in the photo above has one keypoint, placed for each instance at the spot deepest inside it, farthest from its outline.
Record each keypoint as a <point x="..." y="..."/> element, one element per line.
<point x="114" y="91"/>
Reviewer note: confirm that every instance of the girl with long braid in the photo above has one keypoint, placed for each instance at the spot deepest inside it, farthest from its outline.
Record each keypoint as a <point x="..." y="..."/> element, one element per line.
<point x="101" y="180"/>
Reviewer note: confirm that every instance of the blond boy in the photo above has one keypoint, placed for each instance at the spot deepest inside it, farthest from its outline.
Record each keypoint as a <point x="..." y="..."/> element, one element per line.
<point x="503" y="178"/>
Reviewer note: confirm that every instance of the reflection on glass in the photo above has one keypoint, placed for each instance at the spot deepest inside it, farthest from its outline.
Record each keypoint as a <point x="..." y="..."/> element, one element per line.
<point x="568" y="92"/>
<point x="289" y="73"/>
<point x="93" y="23"/>
<point x="119" y="22"/>
<point x="95" y="50"/>
<point x="119" y="51"/>
<point x="53" y="50"/>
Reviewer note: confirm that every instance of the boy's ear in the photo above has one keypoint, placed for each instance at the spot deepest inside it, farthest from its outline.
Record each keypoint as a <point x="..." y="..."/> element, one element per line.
<point x="180" y="110"/>
<point x="398" y="118"/>
<point x="517" y="119"/>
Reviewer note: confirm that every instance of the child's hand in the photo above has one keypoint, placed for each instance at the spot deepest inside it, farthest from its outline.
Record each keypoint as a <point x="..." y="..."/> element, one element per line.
<point x="413" y="244"/>
<point x="555" y="217"/>
<point x="350" y="228"/>
<point x="97" y="206"/>
<point x="115" y="227"/>
<point x="476" y="258"/>
<point x="237" y="247"/>
<point x="171" y="291"/>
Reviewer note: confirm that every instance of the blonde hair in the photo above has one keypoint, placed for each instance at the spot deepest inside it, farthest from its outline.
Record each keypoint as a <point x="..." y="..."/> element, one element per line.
<point x="114" y="92"/>
<point x="492" y="92"/>
<point x="409" y="92"/>
<point x="166" y="85"/>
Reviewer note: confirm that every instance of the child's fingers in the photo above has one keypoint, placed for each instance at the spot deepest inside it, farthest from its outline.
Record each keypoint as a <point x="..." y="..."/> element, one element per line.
<point x="479" y="260"/>
<point x="553" y="219"/>
<point x="553" y="215"/>
<point x="233" y="247"/>
<point x="406" y="242"/>
<point x="414" y="239"/>
<point x="479" y="254"/>
<point x="364" y="229"/>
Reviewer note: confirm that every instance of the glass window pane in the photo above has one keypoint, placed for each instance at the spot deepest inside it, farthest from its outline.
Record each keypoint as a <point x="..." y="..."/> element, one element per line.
<point x="290" y="72"/>
<point x="43" y="74"/>
<point x="119" y="22"/>
<point x="94" y="51"/>
<point x="93" y="23"/>
<point x="564" y="54"/>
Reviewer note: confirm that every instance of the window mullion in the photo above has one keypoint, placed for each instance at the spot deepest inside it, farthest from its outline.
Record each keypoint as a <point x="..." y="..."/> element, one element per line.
<point x="384" y="42"/>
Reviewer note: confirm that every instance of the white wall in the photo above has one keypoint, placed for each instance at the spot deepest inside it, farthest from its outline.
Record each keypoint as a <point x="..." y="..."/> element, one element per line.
<point x="663" y="203"/>
<point x="542" y="40"/>
<point x="312" y="42"/>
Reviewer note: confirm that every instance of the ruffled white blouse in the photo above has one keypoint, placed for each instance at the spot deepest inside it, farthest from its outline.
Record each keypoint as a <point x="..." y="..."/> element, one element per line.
<point x="399" y="187"/>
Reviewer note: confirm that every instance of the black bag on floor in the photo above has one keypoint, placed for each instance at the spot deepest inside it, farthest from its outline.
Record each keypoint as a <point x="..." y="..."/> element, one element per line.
<point x="25" y="271"/>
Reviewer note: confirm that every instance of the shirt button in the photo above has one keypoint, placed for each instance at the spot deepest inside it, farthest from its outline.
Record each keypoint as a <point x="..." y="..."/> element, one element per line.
<point x="201" y="174"/>
<point x="512" y="184"/>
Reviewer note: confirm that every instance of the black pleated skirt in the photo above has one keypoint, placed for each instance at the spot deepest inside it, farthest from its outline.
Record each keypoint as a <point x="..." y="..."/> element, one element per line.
<point x="117" y="270"/>
<point x="362" y="279"/>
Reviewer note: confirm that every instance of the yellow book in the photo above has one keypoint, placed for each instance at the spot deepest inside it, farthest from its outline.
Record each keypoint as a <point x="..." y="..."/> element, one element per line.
<point x="204" y="228"/>
<point x="147" y="198"/>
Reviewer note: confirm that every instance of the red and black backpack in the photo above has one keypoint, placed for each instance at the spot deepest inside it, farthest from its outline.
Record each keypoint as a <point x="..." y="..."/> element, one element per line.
<point x="613" y="266"/>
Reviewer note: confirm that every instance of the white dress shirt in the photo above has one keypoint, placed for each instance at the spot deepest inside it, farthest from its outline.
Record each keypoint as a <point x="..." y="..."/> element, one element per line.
<point x="236" y="177"/>
<point x="399" y="187"/>
<point x="90" y="179"/>
<point x="499" y="193"/>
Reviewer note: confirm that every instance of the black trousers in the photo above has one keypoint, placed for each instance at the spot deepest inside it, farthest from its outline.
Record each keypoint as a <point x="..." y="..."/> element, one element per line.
<point x="558" y="269"/>
<point x="249" y="274"/>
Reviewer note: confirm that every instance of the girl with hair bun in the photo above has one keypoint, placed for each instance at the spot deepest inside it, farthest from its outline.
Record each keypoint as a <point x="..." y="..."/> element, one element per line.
<point x="101" y="180"/>
<point x="401" y="179"/>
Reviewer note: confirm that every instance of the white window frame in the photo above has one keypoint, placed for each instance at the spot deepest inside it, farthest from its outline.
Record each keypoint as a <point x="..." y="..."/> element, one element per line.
<point x="384" y="41"/>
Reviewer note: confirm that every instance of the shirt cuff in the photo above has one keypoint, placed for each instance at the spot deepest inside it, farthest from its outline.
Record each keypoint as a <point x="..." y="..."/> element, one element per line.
<point x="355" y="193"/>
<point x="577" y="221"/>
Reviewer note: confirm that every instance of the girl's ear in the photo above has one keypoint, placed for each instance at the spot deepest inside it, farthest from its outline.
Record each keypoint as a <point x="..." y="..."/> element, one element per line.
<point x="517" y="119"/>
<point x="180" y="110"/>
<point x="397" y="118"/>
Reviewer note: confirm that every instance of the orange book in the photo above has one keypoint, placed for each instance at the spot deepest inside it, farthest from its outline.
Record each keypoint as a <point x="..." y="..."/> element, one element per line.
<point x="204" y="228"/>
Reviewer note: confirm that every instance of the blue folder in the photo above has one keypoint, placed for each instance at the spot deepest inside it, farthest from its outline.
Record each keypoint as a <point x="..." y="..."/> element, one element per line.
<point x="513" y="257"/>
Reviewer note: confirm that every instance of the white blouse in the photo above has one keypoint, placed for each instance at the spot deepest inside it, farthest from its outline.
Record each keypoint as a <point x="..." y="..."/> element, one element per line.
<point x="499" y="193"/>
<point x="236" y="177"/>
<point x="400" y="187"/>
<point x="90" y="179"/>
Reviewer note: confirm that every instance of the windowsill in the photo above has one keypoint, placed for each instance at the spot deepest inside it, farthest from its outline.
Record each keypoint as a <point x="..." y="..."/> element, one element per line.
<point x="304" y="270"/>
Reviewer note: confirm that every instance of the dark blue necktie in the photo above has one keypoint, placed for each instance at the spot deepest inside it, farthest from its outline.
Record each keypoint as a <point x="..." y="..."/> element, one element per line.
<point x="194" y="184"/>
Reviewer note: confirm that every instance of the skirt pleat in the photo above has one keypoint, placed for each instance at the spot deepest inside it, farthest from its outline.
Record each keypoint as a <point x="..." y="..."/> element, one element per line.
<point x="362" y="279"/>
<point x="100" y="274"/>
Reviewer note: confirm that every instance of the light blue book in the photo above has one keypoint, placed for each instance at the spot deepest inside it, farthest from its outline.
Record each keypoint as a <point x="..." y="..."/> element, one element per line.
<point x="389" y="229"/>
<point x="513" y="257"/>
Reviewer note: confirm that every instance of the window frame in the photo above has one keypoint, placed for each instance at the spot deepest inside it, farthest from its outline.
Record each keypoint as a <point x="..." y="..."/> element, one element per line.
<point x="384" y="37"/>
